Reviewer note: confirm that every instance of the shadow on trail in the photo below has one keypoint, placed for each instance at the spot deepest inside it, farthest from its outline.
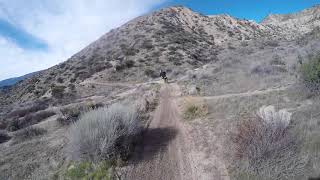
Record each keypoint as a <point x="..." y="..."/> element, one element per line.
<point x="154" y="141"/>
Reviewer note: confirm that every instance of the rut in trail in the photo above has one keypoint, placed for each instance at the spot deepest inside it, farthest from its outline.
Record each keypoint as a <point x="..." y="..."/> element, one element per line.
<point x="162" y="154"/>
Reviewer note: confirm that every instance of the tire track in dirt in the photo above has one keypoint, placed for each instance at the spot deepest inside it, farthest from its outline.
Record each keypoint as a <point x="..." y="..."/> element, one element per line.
<point x="163" y="154"/>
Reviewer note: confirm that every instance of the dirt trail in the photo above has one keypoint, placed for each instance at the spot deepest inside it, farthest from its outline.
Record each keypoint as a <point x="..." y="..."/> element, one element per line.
<point x="163" y="154"/>
<point x="124" y="84"/>
<point x="245" y="94"/>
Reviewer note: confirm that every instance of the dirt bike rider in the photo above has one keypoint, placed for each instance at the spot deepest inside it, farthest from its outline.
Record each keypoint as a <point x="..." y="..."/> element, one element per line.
<point x="163" y="75"/>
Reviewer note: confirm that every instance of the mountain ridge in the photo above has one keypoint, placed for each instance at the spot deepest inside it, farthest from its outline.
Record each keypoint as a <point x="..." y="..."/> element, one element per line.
<point x="14" y="80"/>
<point x="173" y="36"/>
<point x="272" y="20"/>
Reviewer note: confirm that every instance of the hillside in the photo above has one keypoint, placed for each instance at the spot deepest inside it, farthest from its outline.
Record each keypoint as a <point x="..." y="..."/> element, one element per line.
<point x="231" y="67"/>
<point x="173" y="37"/>
<point x="12" y="81"/>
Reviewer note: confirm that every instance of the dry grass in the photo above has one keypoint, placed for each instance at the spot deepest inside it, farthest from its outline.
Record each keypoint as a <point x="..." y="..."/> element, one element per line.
<point x="307" y="123"/>
<point x="104" y="133"/>
<point x="194" y="108"/>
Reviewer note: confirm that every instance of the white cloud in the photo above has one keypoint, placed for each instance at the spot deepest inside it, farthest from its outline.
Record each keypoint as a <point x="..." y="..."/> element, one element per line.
<point x="66" y="26"/>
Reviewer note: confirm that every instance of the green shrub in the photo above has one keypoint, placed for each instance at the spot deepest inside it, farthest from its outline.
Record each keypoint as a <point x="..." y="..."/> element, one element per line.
<point x="105" y="133"/>
<point x="311" y="74"/>
<point x="89" y="171"/>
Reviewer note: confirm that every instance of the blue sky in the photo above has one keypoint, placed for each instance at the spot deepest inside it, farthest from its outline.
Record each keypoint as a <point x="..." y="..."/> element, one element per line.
<point x="20" y="37"/>
<point x="37" y="34"/>
<point x="245" y="9"/>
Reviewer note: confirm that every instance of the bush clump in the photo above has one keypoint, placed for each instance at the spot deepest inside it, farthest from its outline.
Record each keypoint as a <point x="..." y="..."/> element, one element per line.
<point x="28" y="133"/>
<point x="129" y="63"/>
<point x="147" y="44"/>
<point x="58" y="91"/>
<point x="4" y="137"/>
<point x="266" y="146"/>
<point x="311" y="74"/>
<point x="105" y="133"/>
<point x="150" y="73"/>
<point x="28" y="120"/>
<point x="13" y="125"/>
<point x="88" y="170"/>
<point x="194" y="109"/>
<point x="36" y="106"/>
<point x="71" y="114"/>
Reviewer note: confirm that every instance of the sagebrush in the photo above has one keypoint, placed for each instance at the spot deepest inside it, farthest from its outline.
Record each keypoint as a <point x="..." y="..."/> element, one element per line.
<point x="105" y="133"/>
